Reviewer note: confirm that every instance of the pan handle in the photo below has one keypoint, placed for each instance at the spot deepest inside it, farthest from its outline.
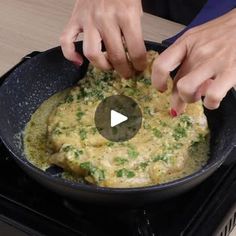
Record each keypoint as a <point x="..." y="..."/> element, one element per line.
<point x="25" y="58"/>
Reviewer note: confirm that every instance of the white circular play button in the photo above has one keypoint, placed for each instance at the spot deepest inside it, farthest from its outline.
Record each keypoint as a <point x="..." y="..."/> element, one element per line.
<point x="118" y="118"/>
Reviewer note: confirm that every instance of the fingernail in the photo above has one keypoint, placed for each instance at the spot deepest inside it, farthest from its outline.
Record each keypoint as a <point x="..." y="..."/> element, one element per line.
<point x="77" y="64"/>
<point x="173" y="112"/>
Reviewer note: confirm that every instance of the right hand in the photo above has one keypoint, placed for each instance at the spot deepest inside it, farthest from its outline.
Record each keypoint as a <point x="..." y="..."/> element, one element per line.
<point x="116" y="23"/>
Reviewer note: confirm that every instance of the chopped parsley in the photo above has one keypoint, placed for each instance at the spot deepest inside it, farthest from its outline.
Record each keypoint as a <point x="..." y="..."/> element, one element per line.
<point x="86" y="165"/>
<point x="79" y="115"/>
<point x="146" y="125"/>
<point x="98" y="174"/>
<point x="186" y="120"/>
<point x="94" y="130"/>
<point x="179" y="132"/>
<point x="143" y="165"/>
<point x="98" y="94"/>
<point x="69" y="99"/>
<point x="157" y="133"/>
<point x="125" y="173"/>
<point x="72" y="150"/>
<point x="161" y="157"/>
<point x="147" y="111"/>
<point x="91" y="93"/>
<point x="82" y="94"/>
<point x="146" y="81"/>
<point x="177" y="146"/>
<point x="201" y="138"/>
<point x="195" y="144"/>
<point x="83" y="134"/>
<point x="120" y="160"/>
<point x="163" y="123"/>
<point x="106" y="76"/>
<point x="92" y="170"/>
<point x="57" y="131"/>
<point x="132" y="153"/>
<point x="131" y="91"/>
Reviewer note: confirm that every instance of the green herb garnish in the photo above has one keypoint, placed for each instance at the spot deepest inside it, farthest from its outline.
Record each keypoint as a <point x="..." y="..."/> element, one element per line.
<point x="74" y="151"/>
<point x="131" y="91"/>
<point x="57" y="131"/>
<point x="179" y="132"/>
<point x="120" y="160"/>
<point x="132" y="153"/>
<point x="177" y="146"/>
<point x="157" y="133"/>
<point x="147" y="111"/>
<point x="146" y="81"/>
<point x="143" y="165"/>
<point x="69" y="99"/>
<point x="125" y="173"/>
<point x="94" y="130"/>
<point x="83" y="134"/>
<point x="163" y="123"/>
<point x="161" y="157"/>
<point x="86" y="165"/>
<point x="79" y="115"/>
<point x="146" y="125"/>
<point x="195" y="144"/>
<point x="186" y="120"/>
<point x="97" y="173"/>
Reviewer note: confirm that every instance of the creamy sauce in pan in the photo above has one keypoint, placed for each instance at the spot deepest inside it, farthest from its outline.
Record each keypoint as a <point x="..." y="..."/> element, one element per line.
<point x="62" y="132"/>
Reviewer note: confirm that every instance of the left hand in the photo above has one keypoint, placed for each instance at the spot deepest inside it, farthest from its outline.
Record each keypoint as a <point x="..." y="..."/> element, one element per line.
<point x="207" y="55"/>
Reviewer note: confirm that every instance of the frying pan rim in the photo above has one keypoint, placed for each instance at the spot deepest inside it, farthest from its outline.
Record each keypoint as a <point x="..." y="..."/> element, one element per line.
<point x="94" y="188"/>
<point x="22" y="160"/>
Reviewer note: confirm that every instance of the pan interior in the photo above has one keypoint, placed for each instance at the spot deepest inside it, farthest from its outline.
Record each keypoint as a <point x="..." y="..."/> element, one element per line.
<point x="42" y="76"/>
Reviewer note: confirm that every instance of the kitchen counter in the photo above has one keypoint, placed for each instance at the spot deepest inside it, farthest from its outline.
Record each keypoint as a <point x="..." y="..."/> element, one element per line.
<point x="28" y="25"/>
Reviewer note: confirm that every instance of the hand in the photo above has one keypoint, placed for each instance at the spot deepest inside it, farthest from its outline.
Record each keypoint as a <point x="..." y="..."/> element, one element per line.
<point x="207" y="55"/>
<point x="114" y="22"/>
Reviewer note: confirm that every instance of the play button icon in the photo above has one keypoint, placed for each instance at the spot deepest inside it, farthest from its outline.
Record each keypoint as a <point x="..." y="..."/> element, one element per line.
<point x="118" y="118"/>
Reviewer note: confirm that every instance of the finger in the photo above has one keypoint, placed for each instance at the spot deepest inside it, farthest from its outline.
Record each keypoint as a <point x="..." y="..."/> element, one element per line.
<point x="204" y="87"/>
<point x="218" y="89"/>
<point x="177" y="104"/>
<point x="116" y="52"/>
<point x="92" y="49"/>
<point x="67" y="40"/>
<point x="188" y="86"/>
<point x="132" y="32"/>
<point x="166" y="62"/>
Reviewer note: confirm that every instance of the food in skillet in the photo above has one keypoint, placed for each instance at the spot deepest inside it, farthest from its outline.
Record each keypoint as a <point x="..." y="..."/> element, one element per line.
<point x="62" y="132"/>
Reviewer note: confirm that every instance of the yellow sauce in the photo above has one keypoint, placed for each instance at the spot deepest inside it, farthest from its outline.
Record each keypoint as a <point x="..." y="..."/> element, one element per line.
<point x="62" y="132"/>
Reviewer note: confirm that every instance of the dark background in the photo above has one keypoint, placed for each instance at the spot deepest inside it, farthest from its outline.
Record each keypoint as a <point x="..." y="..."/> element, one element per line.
<point x="181" y="11"/>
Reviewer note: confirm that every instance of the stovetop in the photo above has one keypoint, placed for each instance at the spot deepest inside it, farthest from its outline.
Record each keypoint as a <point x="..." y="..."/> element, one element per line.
<point x="31" y="208"/>
<point x="27" y="208"/>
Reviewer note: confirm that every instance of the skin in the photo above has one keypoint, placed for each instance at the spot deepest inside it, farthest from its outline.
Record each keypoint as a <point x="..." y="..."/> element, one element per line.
<point x="116" y="23"/>
<point x="207" y="58"/>
<point x="205" y="54"/>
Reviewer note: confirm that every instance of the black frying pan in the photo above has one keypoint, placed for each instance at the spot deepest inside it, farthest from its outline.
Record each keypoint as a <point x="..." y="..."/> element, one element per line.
<point x="49" y="72"/>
